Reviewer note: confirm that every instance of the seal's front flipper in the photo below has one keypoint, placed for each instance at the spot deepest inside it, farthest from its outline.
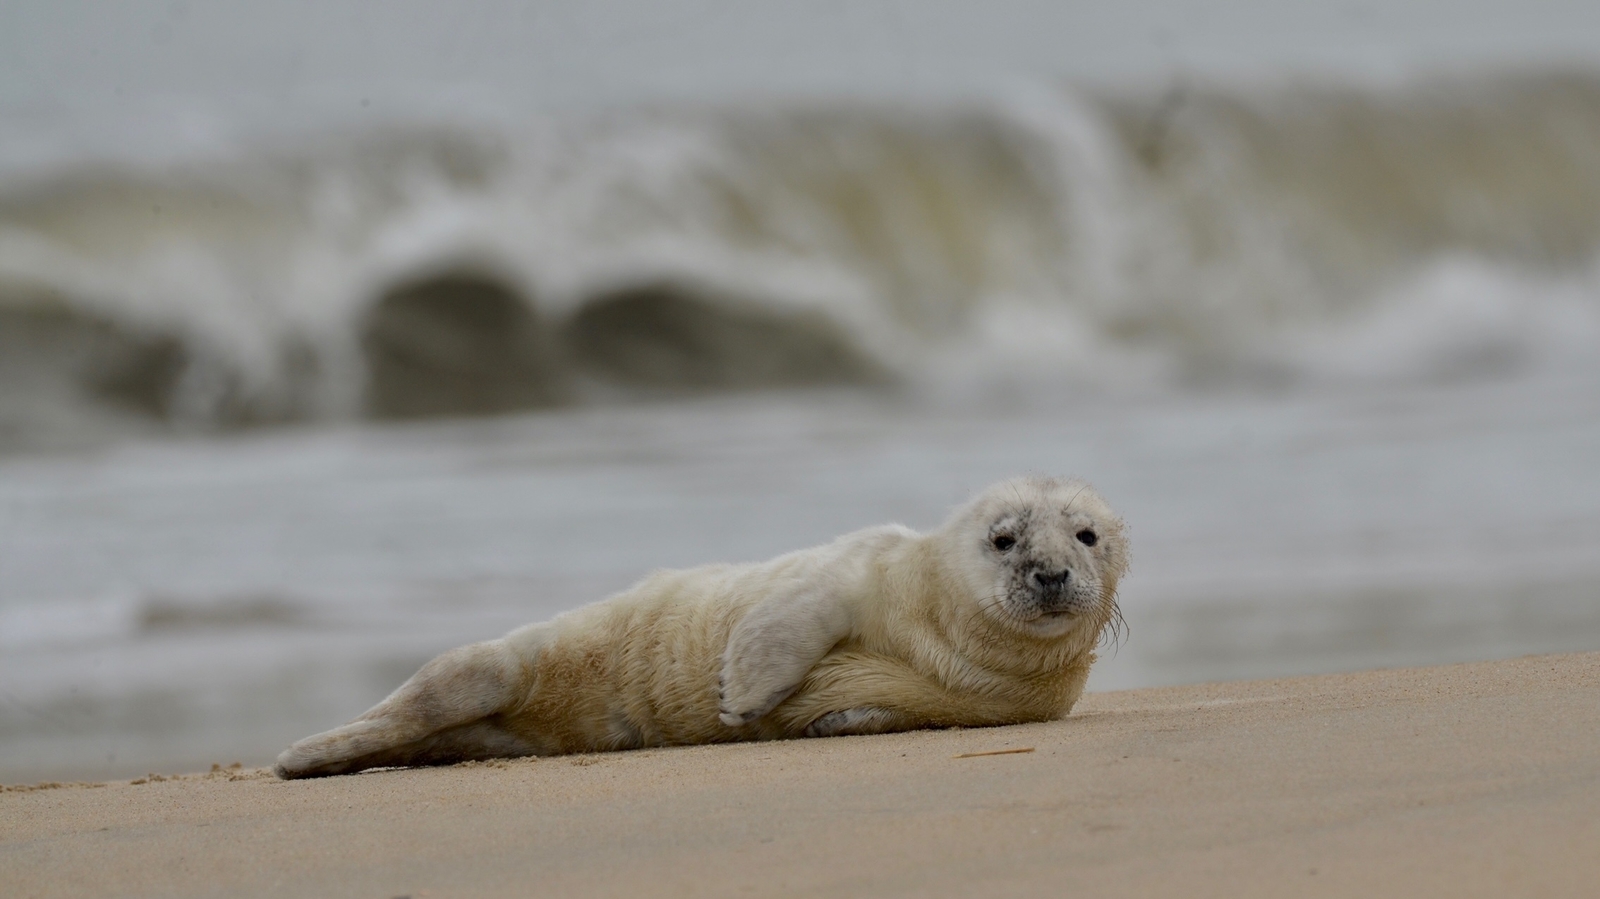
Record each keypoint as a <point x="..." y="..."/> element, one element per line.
<point x="774" y="646"/>
<point x="865" y="720"/>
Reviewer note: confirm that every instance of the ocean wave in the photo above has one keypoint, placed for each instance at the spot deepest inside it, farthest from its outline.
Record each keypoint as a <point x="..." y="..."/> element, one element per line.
<point x="120" y="617"/>
<point x="1441" y="228"/>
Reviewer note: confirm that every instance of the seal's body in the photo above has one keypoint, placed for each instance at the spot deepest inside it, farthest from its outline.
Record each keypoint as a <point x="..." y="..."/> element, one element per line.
<point x="992" y="619"/>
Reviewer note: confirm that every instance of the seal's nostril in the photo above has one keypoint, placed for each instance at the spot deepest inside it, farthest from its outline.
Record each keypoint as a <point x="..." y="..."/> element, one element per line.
<point x="1052" y="580"/>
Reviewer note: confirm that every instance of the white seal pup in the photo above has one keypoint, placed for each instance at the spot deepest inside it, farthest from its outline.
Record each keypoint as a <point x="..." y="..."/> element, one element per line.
<point x="992" y="619"/>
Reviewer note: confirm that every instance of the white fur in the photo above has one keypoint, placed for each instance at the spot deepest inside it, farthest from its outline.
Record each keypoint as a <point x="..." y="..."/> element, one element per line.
<point x="991" y="619"/>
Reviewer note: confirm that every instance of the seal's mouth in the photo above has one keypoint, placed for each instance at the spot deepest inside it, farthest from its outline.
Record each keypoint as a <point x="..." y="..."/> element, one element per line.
<point x="1051" y="621"/>
<point x="1059" y="607"/>
<point x="1053" y="607"/>
<point x="1036" y="611"/>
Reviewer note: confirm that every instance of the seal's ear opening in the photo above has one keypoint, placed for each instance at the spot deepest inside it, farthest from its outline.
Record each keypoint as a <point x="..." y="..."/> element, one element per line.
<point x="455" y="343"/>
<point x="673" y="337"/>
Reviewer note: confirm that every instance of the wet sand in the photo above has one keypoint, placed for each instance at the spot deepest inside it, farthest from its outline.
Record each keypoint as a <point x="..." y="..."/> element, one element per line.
<point x="1466" y="780"/>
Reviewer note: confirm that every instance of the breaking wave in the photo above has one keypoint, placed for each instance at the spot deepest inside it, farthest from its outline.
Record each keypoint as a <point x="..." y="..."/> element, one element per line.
<point x="1288" y="233"/>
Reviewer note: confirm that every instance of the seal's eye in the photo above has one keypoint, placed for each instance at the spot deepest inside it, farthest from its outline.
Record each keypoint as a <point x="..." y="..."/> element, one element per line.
<point x="1003" y="542"/>
<point x="1087" y="537"/>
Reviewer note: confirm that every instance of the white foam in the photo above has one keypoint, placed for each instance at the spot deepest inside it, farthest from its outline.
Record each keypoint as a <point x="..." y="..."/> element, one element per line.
<point x="995" y="242"/>
<point x="1462" y="315"/>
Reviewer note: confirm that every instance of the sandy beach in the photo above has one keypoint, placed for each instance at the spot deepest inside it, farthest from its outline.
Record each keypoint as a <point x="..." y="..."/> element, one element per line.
<point x="1477" y="779"/>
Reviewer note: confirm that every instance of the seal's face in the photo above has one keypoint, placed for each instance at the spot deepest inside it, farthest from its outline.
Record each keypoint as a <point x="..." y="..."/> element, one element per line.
<point x="1051" y="555"/>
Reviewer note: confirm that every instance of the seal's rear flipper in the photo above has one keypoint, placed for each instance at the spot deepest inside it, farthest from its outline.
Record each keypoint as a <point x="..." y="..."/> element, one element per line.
<point x="438" y="716"/>
<point x="328" y="754"/>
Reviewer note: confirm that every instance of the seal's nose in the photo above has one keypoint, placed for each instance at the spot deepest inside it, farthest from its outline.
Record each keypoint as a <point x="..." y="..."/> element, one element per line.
<point x="1051" y="582"/>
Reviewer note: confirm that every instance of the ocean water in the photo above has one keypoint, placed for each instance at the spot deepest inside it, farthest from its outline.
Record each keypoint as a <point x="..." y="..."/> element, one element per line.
<point x="281" y="423"/>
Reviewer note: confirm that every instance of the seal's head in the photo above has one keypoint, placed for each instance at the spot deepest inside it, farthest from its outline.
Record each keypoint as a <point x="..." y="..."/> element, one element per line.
<point x="1041" y="556"/>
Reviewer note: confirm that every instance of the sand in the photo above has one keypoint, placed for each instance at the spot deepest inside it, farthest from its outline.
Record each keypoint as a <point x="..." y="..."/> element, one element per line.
<point x="1467" y="780"/>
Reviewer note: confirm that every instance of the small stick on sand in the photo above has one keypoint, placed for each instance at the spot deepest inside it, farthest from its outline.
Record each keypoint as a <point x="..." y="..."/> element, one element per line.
<point x="973" y="755"/>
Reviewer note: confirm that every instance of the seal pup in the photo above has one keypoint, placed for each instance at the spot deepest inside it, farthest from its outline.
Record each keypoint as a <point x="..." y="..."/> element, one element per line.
<point x="991" y="619"/>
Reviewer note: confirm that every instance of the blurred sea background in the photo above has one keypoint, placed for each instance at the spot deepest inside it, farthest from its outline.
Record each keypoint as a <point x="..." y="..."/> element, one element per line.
<point x="334" y="335"/>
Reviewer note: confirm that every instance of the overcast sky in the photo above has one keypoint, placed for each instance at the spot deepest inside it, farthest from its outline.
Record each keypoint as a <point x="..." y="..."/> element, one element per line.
<point x="176" y="64"/>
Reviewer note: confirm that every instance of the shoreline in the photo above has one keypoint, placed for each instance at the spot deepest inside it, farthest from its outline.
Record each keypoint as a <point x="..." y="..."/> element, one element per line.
<point x="1469" y="779"/>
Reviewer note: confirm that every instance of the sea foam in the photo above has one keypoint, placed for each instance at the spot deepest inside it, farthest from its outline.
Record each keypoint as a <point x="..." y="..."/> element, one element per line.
<point x="1287" y="233"/>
